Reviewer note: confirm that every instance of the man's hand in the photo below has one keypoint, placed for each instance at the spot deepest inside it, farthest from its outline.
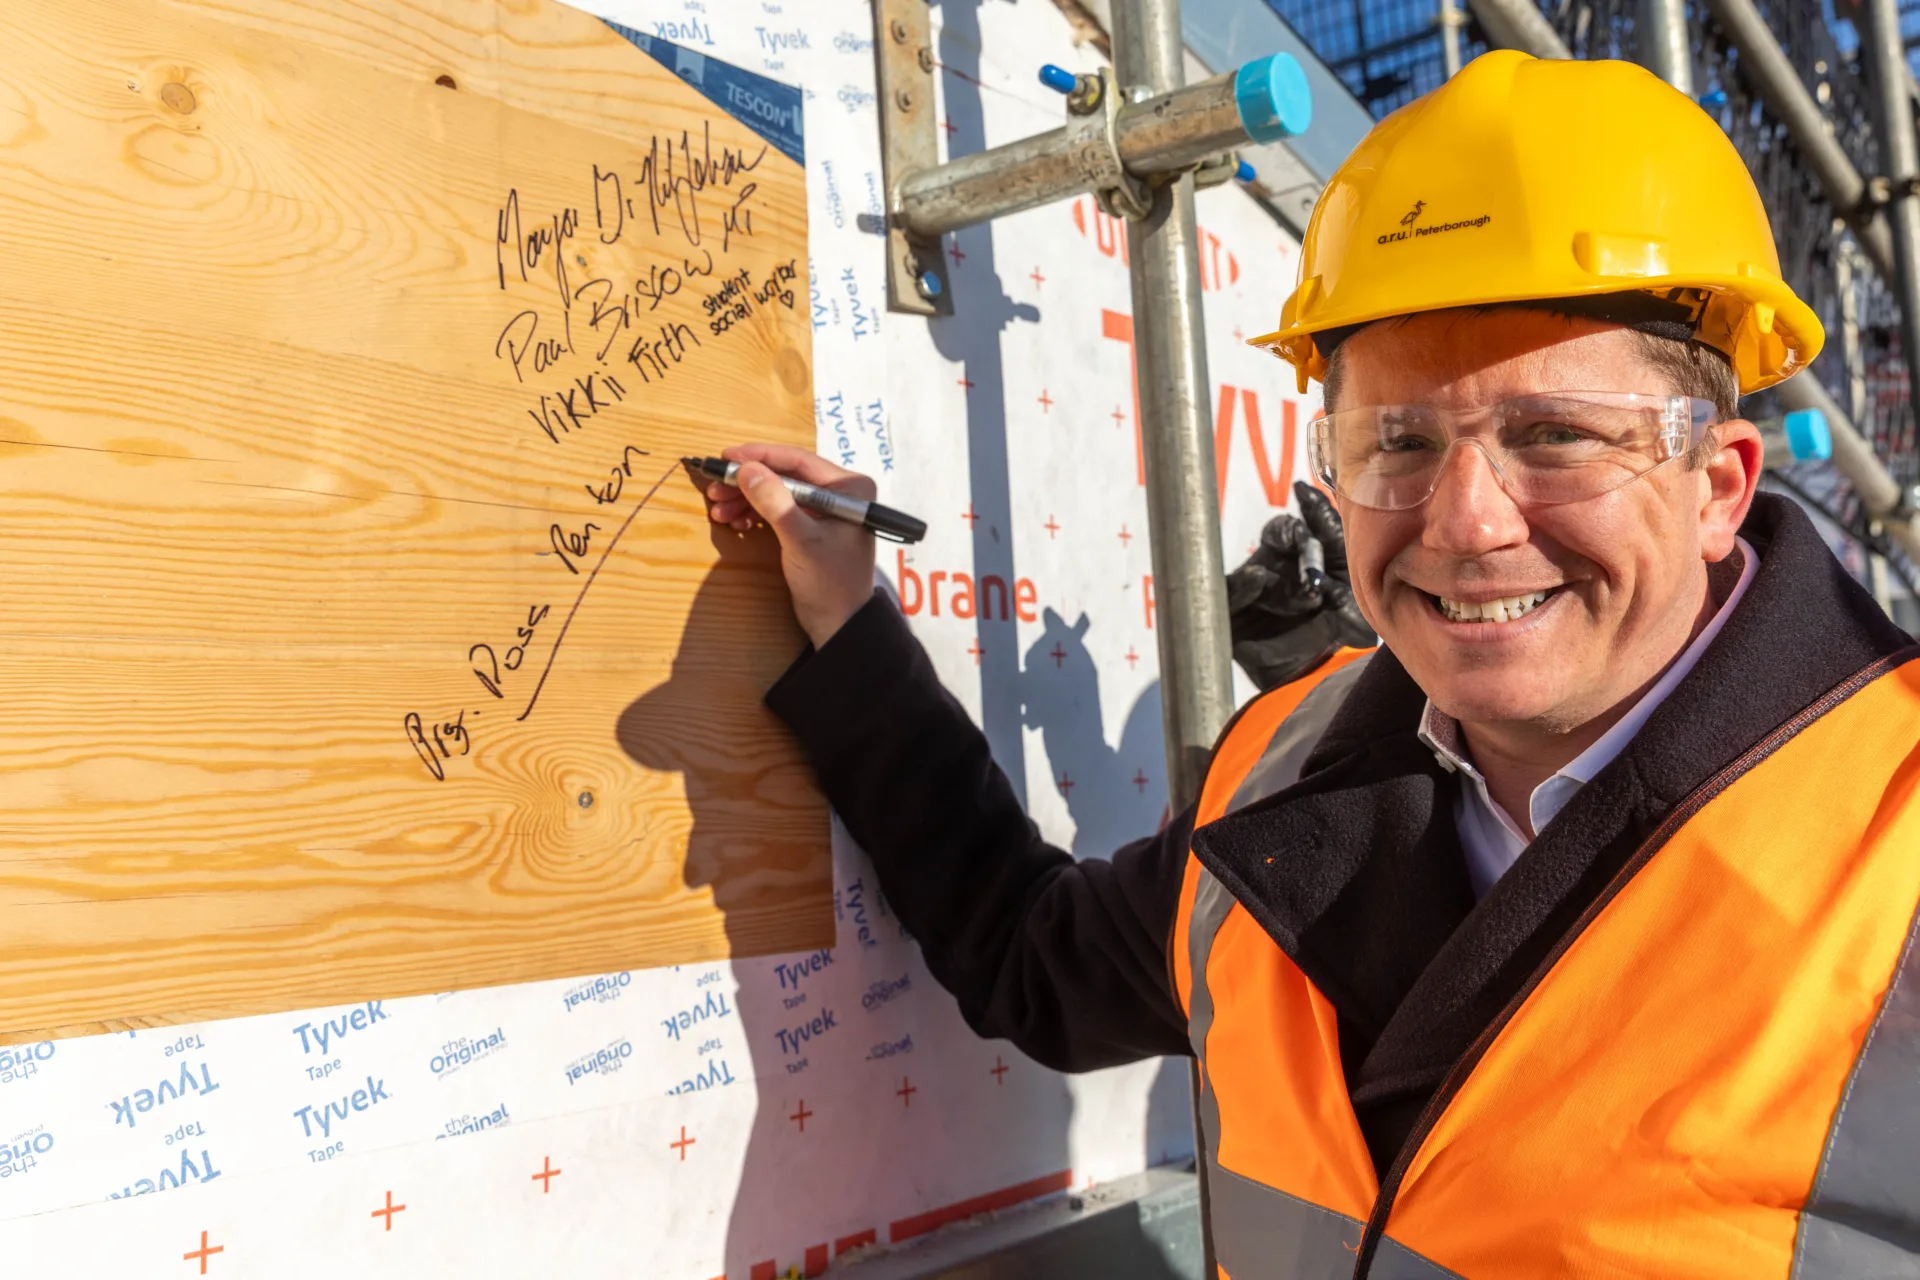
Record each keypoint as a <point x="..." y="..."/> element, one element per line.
<point x="828" y="563"/>
<point x="1283" y="623"/>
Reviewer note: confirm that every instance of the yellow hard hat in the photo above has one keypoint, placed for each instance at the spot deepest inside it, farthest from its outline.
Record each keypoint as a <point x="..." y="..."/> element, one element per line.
<point x="1523" y="179"/>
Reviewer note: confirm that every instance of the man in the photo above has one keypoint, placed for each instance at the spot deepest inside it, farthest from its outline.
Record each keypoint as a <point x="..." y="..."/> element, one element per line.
<point x="1571" y="932"/>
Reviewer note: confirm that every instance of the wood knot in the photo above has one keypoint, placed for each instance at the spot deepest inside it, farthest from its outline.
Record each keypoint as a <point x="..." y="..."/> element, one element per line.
<point x="791" y="369"/>
<point x="178" y="97"/>
<point x="445" y="81"/>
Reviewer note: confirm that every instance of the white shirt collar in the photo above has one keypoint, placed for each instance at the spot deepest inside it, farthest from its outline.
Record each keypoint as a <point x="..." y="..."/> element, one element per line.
<point x="1491" y="838"/>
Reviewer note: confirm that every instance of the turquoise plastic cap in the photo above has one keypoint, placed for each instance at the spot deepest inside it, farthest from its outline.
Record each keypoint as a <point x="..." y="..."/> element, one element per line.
<point x="1273" y="98"/>
<point x="1808" y="435"/>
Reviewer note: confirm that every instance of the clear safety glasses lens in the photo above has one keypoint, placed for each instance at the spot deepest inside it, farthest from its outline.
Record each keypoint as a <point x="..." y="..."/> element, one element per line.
<point x="1545" y="449"/>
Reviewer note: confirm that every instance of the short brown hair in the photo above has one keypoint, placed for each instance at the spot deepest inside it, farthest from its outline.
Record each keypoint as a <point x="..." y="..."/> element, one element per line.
<point x="1693" y="368"/>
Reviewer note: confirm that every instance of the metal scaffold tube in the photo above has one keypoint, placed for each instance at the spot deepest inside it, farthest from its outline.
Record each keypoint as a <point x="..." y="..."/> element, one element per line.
<point x="1853" y="457"/>
<point x="1519" y="24"/>
<point x="1451" y="20"/>
<point x="1886" y="59"/>
<point x="1189" y="573"/>
<point x="1765" y="66"/>
<point x="1171" y="132"/>
<point x="1663" y="42"/>
<point x="1190" y="596"/>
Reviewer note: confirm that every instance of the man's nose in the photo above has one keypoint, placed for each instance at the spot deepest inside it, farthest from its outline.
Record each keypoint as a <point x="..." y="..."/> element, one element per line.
<point x="1470" y="513"/>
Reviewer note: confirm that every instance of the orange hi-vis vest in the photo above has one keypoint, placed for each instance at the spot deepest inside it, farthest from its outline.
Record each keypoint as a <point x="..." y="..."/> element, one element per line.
<point x="1715" y="1073"/>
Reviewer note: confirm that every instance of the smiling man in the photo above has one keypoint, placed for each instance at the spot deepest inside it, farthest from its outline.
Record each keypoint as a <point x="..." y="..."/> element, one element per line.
<point x="1570" y="932"/>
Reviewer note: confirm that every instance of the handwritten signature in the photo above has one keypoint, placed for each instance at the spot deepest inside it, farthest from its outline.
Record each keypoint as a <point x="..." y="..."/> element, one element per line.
<point x="426" y="747"/>
<point x="609" y="493"/>
<point x="547" y="241"/>
<point x="675" y="181"/>
<point x="516" y="654"/>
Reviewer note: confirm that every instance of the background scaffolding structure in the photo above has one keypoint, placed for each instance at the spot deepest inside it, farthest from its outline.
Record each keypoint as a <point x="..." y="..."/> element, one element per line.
<point x="1391" y="51"/>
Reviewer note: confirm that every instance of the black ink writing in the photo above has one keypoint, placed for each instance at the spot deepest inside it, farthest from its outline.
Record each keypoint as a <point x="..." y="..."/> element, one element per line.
<point x="561" y="413"/>
<point x="610" y="313"/>
<point x="547" y="240"/>
<point x="736" y="300"/>
<point x="609" y="493"/>
<point x="521" y="340"/>
<point x="431" y="745"/>
<point x="674" y="179"/>
<point x="570" y="546"/>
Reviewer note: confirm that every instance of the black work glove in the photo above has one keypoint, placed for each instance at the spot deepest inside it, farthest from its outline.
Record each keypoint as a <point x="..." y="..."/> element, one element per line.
<point x="1283" y="622"/>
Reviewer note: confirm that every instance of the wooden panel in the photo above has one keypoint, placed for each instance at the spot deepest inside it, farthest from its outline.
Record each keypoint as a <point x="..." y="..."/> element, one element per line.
<point x="362" y="638"/>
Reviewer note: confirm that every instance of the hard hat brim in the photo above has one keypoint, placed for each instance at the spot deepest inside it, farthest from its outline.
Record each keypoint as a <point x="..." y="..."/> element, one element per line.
<point x="1761" y="326"/>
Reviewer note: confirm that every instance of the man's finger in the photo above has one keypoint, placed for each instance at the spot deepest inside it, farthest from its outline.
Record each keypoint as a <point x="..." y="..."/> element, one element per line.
<point x="770" y="499"/>
<point x="1276" y="660"/>
<point x="801" y="464"/>
<point x="734" y="508"/>
<point x="1280" y="538"/>
<point x="1345" y="610"/>
<point x="1245" y="585"/>
<point x="1317" y="510"/>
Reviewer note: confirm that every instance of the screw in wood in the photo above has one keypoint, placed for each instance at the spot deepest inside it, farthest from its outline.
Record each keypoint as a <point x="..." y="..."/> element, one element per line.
<point x="926" y="58"/>
<point x="903" y="99"/>
<point x="586" y="799"/>
<point x="898" y="31"/>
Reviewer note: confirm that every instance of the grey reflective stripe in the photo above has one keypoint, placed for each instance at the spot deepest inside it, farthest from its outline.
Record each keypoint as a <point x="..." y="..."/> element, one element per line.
<point x="1862" y="1217"/>
<point x="1263" y="1234"/>
<point x="1211" y="903"/>
<point x="1293" y="741"/>
<point x="1395" y="1261"/>
<point x="1277" y="769"/>
<point x="1259" y="1232"/>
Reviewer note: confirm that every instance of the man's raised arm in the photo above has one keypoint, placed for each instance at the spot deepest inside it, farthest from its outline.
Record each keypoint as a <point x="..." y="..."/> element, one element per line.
<point x="1068" y="960"/>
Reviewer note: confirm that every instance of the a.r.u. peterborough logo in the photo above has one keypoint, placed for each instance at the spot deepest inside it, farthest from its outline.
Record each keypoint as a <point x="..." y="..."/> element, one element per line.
<point x="1408" y="231"/>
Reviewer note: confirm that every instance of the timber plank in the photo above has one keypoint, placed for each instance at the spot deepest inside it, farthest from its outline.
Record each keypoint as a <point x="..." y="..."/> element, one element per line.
<point x="364" y="639"/>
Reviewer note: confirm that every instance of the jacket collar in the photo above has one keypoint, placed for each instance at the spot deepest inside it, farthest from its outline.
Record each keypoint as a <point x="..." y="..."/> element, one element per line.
<point x="1357" y="873"/>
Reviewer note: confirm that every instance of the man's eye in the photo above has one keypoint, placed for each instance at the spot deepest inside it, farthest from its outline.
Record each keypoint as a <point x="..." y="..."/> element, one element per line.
<point x="1403" y="444"/>
<point x="1554" y="433"/>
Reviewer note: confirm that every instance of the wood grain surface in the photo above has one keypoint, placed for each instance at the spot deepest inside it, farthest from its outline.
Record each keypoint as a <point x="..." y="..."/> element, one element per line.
<point x="362" y="637"/>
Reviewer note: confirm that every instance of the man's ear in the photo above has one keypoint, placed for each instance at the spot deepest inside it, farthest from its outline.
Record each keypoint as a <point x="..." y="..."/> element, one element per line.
<point x="1732" y="476"/>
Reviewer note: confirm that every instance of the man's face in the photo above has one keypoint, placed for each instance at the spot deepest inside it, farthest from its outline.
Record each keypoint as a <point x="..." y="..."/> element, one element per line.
<point x="1625" y="572"/>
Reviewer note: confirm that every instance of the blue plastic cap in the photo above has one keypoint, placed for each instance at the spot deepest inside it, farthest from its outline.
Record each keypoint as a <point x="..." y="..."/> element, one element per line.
<point x="1808" y="436"/>
<point x="1273" y="98"/>
<point x="1059" y="79"/>
<point x="1714" y="97"/>
<point x="1244" y="172"/>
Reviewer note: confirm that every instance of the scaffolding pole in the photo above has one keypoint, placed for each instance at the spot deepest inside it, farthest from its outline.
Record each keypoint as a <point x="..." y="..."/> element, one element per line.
<point x="1183" y="522"/>
<point x="1451" y="20"/>
<point x="1519" y="24"/>
<point x="1765" y="66"/>
<point x="1886" y="59"/>
<point x="1176" y="427"/>
<point x="1880" y="494"/>
<point x="1664" y="46"/>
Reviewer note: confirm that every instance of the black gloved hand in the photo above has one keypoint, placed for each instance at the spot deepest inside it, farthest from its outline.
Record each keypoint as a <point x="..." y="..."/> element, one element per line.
<point x="1285" y="620"/>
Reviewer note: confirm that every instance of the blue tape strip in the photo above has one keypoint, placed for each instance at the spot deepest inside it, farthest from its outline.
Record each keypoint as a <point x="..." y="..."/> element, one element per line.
<point x="767" y="107"/>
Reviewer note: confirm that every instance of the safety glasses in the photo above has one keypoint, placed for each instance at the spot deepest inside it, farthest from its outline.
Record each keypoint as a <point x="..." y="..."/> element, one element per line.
<point x="1547" y="449"/>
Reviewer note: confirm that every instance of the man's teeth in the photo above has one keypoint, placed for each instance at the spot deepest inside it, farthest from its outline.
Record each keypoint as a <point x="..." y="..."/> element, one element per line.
<point x="1505" y="609"/>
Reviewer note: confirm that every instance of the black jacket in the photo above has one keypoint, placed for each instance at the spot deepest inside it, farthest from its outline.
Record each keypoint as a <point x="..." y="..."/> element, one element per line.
<point x="1356" y="871"/>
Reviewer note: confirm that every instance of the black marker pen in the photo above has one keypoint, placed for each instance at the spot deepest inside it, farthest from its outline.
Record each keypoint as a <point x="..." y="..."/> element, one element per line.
<point x="881" y="521"/>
